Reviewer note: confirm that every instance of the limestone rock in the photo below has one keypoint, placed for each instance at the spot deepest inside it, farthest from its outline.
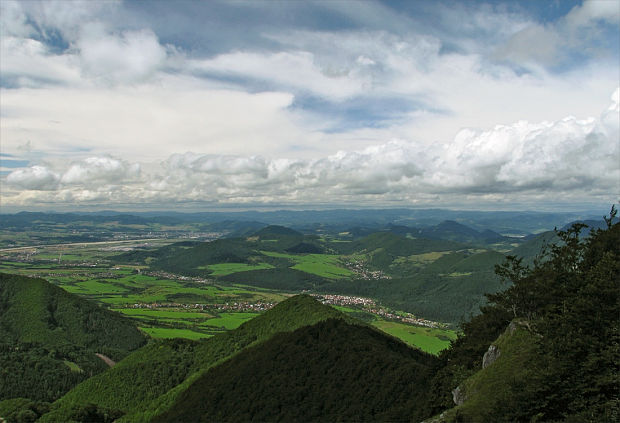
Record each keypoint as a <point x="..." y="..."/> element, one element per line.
<point x="490" y="356"/>
<point x="458" y="396"/>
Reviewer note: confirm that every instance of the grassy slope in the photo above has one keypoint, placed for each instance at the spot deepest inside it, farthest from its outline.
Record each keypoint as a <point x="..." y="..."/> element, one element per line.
<point x="136" y="383"/>
<point x="498" y="384"/>
<point x="331" y="371"/>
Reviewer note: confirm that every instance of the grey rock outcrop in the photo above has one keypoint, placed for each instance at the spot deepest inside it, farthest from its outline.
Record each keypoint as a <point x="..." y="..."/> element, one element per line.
<point x="490" y="356"/>
<point x="458" y="396"/>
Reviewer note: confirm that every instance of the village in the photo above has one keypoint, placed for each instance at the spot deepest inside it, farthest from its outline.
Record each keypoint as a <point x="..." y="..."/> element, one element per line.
<point x="242" y="306"/>
<point x="361" y="271"/>
<point x="370" y="306"/>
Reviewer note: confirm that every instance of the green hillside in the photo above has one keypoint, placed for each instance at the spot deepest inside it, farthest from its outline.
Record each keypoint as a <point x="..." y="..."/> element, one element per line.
<point x="558" y="360"/>
<point x="394" y="245"/>
<point x="35" y="311"/>
<point x="49" y="338"/>
<point x="532" y="248"/>
<point x="136" y="383"/>
<point x="331" y="371"/>
<point x="501" y="386"/>
<point x="449" y="289"/>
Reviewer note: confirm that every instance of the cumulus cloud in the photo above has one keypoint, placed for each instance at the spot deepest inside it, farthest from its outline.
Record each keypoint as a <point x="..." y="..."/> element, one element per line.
<point x="100" y="170"/>
<point x="526" y="159"/>
<point x="269" y="124"/>
<point x="592" y="11"/>
<point x="34" y="178"/>
<point x="92" y="172"/>
<point x="558" y="42"/>
<point x="131" y="56"/>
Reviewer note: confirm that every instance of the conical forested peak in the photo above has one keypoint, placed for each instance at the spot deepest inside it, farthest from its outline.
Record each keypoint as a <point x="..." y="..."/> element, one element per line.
<point x="275" y="231"/>
<point x="297" y="311"/>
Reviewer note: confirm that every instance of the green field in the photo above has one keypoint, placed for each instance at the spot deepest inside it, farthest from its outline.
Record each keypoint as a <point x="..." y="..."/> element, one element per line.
<point x="427" y="339"/>
<point x="163" y="314"/>
<point x="223" y="269"/>
<point x="324" y="265"/>
<point x="90" y="271"/>
<point x="229" y="321"/>
<point x="174" y="333"/>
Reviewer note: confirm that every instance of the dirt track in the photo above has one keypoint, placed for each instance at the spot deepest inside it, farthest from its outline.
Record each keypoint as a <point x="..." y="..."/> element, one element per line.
<point x="107" y="360"/>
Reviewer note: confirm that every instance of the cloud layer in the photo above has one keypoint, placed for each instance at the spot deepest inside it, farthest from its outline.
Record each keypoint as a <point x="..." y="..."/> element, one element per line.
<point x="563" y="159"/>
<point x="361" y="103"/>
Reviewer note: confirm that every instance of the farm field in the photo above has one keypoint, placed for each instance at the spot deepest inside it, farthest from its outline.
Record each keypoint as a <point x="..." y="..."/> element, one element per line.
<point x="428" y="339"/>
<point x="324" y="265"/>
<point x="224" y="269"/>
<point x="166" y="305"/>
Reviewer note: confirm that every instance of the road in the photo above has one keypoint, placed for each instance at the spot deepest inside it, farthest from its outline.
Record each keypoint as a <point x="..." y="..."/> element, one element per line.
<point x="75" y="244"/>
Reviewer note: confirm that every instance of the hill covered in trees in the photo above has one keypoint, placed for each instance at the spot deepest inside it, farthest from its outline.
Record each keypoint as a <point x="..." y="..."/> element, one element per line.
<point x="49" y="338"/>
<point x="559" y="359"/>
<point x="150" y="378"/>
<point x="330" y="371"/>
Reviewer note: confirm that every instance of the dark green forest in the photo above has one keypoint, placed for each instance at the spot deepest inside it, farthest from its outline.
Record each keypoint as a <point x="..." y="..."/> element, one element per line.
<point x="569" y="304"/>
<point x="49" y="338"/>
<point x="331" y="371"/>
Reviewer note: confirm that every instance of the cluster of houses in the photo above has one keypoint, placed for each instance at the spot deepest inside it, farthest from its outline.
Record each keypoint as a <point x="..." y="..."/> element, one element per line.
<point x="345" y="300"/>
<point x="173" y="276"/>
<point x="362" y="272"/>
<point x="369" y="306"/>
<point x="242" y="306"/>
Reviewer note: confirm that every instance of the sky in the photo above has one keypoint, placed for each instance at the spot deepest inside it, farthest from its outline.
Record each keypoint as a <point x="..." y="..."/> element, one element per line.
<point x="192" y="105"/>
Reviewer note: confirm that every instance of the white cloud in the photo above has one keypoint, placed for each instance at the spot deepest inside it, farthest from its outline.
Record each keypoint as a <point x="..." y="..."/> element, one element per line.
<point x="297" y="70"/>
<point x="131" y="56"/>
<point x="147" y="121"/>
<point x="34" y="178"/>
<point x="107" y="91"/>
<point x="554" y="43"/>
<point x="557" y="160"/>
<point x="13" y="20"/>
<point x="99" y="170"/>
<point x="592" y="11"/>
<point x="29" y="63"/>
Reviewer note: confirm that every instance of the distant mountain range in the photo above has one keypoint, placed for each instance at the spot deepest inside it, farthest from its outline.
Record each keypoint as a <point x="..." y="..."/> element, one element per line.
<point x="503" y="222"/>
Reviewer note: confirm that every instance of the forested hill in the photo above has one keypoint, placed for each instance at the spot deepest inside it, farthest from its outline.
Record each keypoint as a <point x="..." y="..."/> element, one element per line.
<point x="331" y="371"/>
<point x="150" y="378"/>
<point x="559" y="358"/>
<point x="33" y="310"/>
<point x="49" y="337"/>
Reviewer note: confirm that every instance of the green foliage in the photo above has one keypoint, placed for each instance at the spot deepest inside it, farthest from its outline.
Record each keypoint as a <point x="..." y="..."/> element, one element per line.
<point x="278" y="279"/>
<point x="510" y="388"/>
<point x="570" y="303"/>
<point x="446" y="297"/>
<point x="22" y="410"/>
<point x="136" y="383"/>
<point x="386" y="246"/>
<point x="50" y="337"/>
<point x="192" y="260"/>
<point x="332" y="371"/>
<point x="40" y="373"/>
<point x="33" y="310"/>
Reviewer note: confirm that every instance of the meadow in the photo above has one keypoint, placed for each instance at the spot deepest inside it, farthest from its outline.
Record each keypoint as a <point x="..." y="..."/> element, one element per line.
<point x="165" y="305"/>
<point x="324" y="265"/>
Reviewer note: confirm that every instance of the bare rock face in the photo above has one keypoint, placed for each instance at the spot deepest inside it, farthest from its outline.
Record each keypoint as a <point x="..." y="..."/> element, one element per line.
<point x="512" y="327"/>
<point x="458" y="396"/>
<point x="490" y="356"/>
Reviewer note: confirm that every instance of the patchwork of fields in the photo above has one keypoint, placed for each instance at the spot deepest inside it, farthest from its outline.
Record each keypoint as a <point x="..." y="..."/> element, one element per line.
<point x="166" y="305"/>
